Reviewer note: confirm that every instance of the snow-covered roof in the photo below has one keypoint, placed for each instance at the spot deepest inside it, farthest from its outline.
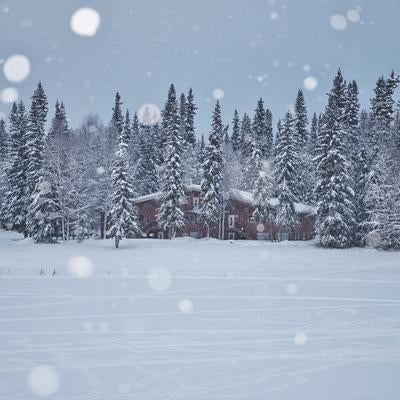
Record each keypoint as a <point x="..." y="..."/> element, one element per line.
<point x="247" y="197"/>
<point x="147" y="197"/>
<point x="234" y="194"/>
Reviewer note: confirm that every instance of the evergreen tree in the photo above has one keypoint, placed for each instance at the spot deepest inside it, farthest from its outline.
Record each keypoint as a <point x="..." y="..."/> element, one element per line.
<point x="182" y="117"/>
<point x="259" y="128"/>
<point x="146" y="174"/>
<point x="246" y="137"/>
<point x="301" y="122"/>
<point x="236" y="136"/>
<point x="3" y="141"/>
<point x="190" y="114"/>
<point x="122" y="214"/>
<point x="285" y="171"/>
<point x="252" y="168"/>
<point x="59" y="125"/>
<point x="35" y="137"/>
<point x="43" y="210"/>
<point x="313" y="134"/>
<point x="263" y="193"/>
<point x="269" y="142"/>
<point x="335" y="207"/>
<point x="127" y="129"/>
<point x="171" y="216"/>
<point x="212" y="173"/>
<point x="117" y="119"/>
<point x="14" y="208"/>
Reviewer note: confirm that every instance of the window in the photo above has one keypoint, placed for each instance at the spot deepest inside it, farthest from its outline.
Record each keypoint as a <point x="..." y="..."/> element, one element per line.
<point x="262" y="236"/>
<point x="231" y="221"/>
<point x="231" y="235"/>
<point x="195" y="235"/>
<point x="251" y="219"/>
<point x="195" y="203"/>
<point x="284" y="236"/>
<point x="141" y="218"/>
<point x="191" y="218"/>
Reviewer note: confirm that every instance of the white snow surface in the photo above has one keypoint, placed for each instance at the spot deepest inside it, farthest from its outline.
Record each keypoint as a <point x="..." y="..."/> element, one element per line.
<point x="198" y="319"/>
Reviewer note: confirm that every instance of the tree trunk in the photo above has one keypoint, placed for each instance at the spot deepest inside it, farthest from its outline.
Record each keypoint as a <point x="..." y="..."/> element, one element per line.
<point x="116" y="241"/>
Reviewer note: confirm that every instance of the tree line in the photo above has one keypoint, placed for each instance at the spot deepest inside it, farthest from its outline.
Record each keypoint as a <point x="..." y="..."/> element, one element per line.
<point x="67" y="183"/>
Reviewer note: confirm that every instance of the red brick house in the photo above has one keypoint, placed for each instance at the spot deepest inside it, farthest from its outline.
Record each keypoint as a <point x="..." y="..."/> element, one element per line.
<point x="237" y="221"/>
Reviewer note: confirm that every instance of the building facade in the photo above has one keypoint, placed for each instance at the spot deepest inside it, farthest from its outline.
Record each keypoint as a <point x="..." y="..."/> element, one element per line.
<point x="237" y="221"/>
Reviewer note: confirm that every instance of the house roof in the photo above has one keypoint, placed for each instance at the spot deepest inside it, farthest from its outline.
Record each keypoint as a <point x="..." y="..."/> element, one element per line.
<point x="234" y="194"/>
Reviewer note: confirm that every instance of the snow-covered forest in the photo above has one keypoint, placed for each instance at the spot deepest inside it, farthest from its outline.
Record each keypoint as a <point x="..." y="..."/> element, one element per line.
<point x="59" y="183"/>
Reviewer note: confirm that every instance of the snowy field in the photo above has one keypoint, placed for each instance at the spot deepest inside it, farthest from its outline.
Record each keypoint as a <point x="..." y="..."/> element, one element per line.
<point x="189" y="319"/>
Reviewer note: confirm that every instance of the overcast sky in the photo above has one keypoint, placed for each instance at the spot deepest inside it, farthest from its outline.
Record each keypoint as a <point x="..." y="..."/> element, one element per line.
<point x="246" y="48"/>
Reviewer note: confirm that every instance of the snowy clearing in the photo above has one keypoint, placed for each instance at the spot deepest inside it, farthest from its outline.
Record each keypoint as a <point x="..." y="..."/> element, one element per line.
<point x="197" y="319"/>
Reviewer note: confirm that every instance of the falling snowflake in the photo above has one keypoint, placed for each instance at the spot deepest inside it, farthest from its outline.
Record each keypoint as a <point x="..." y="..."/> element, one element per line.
<point x="80" y="267"/>
<point x="218" y="94"/>
<point x="16" y="68"/>
<point x="159" y="279"/>
<point x="185" y="306"/>
<point x="338" y="22"/>
<point x="300" y="338"/>
<point x="310" y="83"/>
<point x="9" y="95"/>
<point x="353" y="16"/>
<point x="85" y="21"/>
<point x="44" y="381"/>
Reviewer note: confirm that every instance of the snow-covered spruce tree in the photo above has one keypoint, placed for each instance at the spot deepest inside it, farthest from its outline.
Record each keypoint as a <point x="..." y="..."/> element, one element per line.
<point x="43" y="210"/>
<point x="146" y="174"/>
<point x="165" y="119"/>
<point x="14" y="206"/>
<point x="246" y="138"/>
<point x="312" y="140"/>
<point x="123" y="218"/>
<point x="269" y="142"/>
<point x="3" y="141"/>
<point x="189" y="158"/>
<point x="3" y="164"/>
<point x="335" y="198"/>
<point x="236" y="136"/>
<point x="126" y="130"/>
<point x="301" y="121"/>
<point x="252" y="168"/>
<point x="35" y="138"/>
<point x="258" y="128"/>
<point x="182" y="117"/>
<point x="133" y="146"/>
<point x="361" y="178"/>
<point x="286" y="163"/>
<point x="278" y="132"/>
<point x="190" y="138"/>
<point x="232" y="166"/>
<point x="212" y="174"/>
<point x="117" y="119"/>
<point x="263" y="192"/>
<point x="59" y="124"/>
<point x="170" y="215"/>
<point x="305" y="171"/>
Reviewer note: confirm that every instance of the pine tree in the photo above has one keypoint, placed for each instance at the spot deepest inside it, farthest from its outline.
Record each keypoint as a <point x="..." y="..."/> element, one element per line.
<point x="171" y="216"/>
<point x="59" y="125"/>
<point x="212" y="173"/>
<point x="269" y="142"/>
<point x="146" y="175"/>
<point x="313" y="135"/>
<point x="189" y="122"/>
<point x="335" y="207"/>
<point x="43" y="210"/>
<point x="3" y="141"/>
<point x="236" y="137"/>
<point x="127" y="129"/>
<point x="182" y="117"/>
<point x="285" y="171"/>
<point x="14" y="208"/>
<point x="252" y="168"/>
<point x="263" y="193"/>
<point x="246" y="137"/>
<point x="301" y="120"/>
<point x="35" y="137"/>
<point x="122" y="214"/>
<point x="258" y="128"/>
<point x="117" y="119"/>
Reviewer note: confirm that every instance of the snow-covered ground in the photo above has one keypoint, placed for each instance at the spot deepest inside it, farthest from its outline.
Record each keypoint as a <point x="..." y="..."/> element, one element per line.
<point x="189" y="319"/>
